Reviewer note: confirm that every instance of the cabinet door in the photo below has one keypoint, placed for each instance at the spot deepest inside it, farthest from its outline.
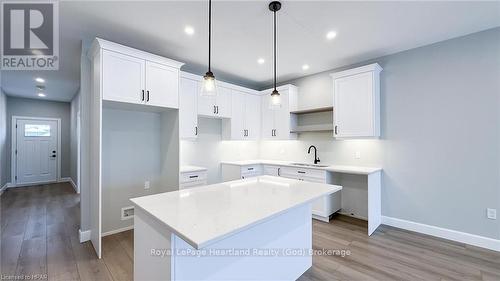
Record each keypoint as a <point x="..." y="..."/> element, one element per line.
<point x="223" y="102"/>
<point x="162" y="85"/>
<point x="188" y="109"/>
<point x="282" y="118"/>
<point x="252" y="116"/>
<point x="206" y="105"/>
<point x="354" y="105"/>
<point x="238" y="115"/>
<point x="267" y="121"/>
<point x="122" y="77"/>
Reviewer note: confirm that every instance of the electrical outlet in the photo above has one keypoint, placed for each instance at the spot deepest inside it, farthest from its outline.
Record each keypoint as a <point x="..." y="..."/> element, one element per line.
<point x="357" y="155"/>
<point x="146" y="185"/>
<point x="127" y="212"/>
<point x="491" y="214"/>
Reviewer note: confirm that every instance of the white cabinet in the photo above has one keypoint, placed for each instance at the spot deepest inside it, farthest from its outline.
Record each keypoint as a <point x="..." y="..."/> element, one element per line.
<point x="321" y="208"/>
<point x="276" y="123"/>
<point x="192" y="179"/>
<point x="270" y="170"/>
<point x="219" y="106"/>
<point x="245" y="118"/>
<point x="128" y="77"/>
<point x="162" y="85"/>
<point x="235" y="172"/>
<point x="123" y="77"/>
<point x="188" y="108"/>
<point x="356" y="102"/>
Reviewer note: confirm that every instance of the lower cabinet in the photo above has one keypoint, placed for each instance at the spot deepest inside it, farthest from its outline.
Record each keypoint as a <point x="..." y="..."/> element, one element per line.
<point x="192" y="179"/>
<point x="235" y="172"/>
<point x="324" y="207"/>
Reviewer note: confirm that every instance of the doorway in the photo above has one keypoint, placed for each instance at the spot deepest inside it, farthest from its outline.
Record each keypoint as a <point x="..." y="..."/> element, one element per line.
<point x="36" y="143"/>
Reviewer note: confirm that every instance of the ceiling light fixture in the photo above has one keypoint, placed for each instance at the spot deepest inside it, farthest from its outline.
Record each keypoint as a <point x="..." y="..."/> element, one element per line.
<point x="261" y="61"/>
<point x="208" y="85"/>
<point x="42" y="95"/>
<point x="275" y="95"/>
<point x="305" y="67"/>
<point x="331" y="34"/>
<point x="189" y="30"/>
<point x="40" y="80"/>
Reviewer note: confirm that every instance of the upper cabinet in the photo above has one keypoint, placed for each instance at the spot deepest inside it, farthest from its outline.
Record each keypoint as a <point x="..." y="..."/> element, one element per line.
<point x="219" y="106"/>
<point x="188" y="106"/>
<point x="245" y="118"/>
<point x="356" y="102"/>
<point x="137" y="77"/>
<point x="277" y="122"/>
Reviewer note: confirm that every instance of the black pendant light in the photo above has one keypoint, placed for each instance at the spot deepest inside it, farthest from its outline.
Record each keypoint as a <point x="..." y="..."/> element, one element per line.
<point x="275" y="95"/>
<point x="208" y="85"/>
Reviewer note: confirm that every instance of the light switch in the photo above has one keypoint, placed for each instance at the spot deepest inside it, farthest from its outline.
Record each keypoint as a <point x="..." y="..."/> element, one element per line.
<point x="146" y="185"/>
<point x="491" y="213"/>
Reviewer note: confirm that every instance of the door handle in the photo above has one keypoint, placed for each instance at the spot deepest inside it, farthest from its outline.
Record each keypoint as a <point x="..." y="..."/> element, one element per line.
<point x="147" y="100"/>
<point x="53" y="156"/>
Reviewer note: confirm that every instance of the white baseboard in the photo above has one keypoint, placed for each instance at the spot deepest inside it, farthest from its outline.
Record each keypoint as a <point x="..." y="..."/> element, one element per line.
<point x="84" y="235"/>
<point x="70" y="180"/>
<point x="462" y="237"/>
<point x="117" y="230"/>
<point x="4" y="188"/>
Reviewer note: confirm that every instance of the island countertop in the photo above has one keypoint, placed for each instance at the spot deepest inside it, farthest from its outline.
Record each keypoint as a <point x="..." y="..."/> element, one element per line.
<point x="204" y="215"/>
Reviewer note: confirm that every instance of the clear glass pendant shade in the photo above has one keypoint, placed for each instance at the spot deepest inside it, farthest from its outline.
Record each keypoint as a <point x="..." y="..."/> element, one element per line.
<point x="275" y="100"/>
<point x="208" y="85"/>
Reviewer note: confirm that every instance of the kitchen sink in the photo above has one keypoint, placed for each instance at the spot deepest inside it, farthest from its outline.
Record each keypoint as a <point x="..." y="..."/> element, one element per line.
<point x="309" y="165"/>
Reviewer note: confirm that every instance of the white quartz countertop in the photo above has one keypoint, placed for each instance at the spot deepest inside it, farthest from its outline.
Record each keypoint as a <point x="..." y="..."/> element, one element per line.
<point x="347" y="169"/>
<point x="189" y="168"/>
<point x="204" y="215"/>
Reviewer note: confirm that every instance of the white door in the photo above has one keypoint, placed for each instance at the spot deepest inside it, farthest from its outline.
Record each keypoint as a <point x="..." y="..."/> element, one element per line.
<point x="237" y="119"/>
<point x="223" y="102"/>
<point x="188" y="109"/>
<point x="162" y="86"/>
<point x="37" y="151"/>
<point x="353" y="105"/>
<point x="267" y="121"/>
<point x="252" y="116"/>
<point x="123" y="78"/>
<point x="282" y="118"/>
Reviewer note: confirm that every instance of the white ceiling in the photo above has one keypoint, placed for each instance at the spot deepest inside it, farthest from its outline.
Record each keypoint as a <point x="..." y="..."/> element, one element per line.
<point x="242" y="32"/>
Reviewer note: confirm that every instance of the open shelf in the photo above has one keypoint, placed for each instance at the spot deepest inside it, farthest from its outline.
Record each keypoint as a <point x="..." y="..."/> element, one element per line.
<point x="313" y="110"/>
<point x="312" y="128"/>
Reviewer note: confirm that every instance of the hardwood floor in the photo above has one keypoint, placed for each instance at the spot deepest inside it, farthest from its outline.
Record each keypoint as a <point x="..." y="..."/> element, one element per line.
<point x="39" y="235"/>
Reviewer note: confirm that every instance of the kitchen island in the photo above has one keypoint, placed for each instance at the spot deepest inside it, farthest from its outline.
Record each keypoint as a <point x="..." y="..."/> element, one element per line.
<point x="253" y="229"/>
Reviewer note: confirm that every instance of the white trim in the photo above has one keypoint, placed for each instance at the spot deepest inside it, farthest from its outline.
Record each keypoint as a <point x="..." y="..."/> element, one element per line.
<point x="117" y="230"/>
<point x="375" y="67"/>
<point x="467" y="238"/>
<point x="13" y="145"/>
<point x="4" y="188"/>
<point x="84" y="235"/>
<point x="70" y="180"/>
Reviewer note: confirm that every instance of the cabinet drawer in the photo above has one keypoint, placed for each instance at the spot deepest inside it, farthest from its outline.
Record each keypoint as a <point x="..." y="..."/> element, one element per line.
<point x="187" y="185"/>
<point x="251" y="169"/>
<point x="271" y="170"/>
<point x="193" y="176"/>
<point x="306" y="174"/>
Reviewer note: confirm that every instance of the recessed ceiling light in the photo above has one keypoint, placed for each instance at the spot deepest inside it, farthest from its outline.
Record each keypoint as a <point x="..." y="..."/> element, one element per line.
<point x="40" y="80"/>
<point x="331" y="34"/>
<point x="261" y="61"/>
<point x="189" y="30"/>
<point x="305" y="67"/>
<point x="42" y="95"/>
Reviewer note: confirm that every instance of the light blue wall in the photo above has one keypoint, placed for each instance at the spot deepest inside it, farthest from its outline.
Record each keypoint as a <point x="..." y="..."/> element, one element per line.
<point x="440" y="143"/>
<point x="4" y="170"/>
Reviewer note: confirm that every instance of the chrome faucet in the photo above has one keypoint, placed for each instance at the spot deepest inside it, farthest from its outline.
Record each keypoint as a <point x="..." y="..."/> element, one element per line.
<point x="316" y="159"/>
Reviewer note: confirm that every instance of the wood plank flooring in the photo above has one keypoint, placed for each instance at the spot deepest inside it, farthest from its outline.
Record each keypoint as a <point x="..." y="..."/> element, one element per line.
<point x="39" y="235"/>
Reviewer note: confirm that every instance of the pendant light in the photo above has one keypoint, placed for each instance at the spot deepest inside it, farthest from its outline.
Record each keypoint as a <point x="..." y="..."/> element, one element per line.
<point x="208" y="84"/>
<point x="275" y="95"/>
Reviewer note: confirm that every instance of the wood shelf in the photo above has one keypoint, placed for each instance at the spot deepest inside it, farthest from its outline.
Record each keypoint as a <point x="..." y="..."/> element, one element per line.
<point x="313" y="110"/>
<point x="312" y="128"/>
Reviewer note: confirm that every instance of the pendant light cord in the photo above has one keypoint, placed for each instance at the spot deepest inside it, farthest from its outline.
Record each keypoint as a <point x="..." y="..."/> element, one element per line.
<point x="275" y="50"/>
<point x="209" y="32"/>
